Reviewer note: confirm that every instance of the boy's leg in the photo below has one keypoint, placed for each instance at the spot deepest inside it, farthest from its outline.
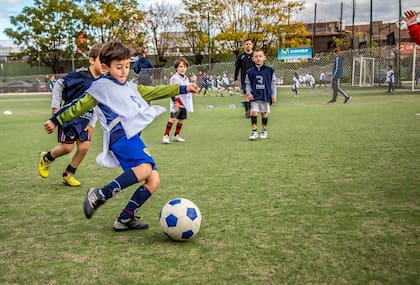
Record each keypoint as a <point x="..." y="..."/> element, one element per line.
<point x="127" y="219"/>
<point x="96" y="197"/>
<point x="254" y="115"/>
<point x="264" y="121"/>
<point x="46" y="157"/>
<point x="68" y="175"/>
<point x="181" y="117"/>
<point x="169" y="124"/>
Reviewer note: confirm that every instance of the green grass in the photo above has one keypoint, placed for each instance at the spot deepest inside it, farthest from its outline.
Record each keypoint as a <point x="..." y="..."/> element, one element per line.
<point x="331" y="197"/>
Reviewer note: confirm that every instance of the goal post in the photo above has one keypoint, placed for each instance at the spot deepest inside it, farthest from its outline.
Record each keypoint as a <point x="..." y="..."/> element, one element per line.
<point x="415" y="75"/>
<point x="363" y="74"/>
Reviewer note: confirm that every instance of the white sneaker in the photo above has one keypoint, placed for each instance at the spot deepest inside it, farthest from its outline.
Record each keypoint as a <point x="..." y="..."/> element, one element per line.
<point x="253" y="135"/>
<point x="263" y="134"/>
<point x="177" y="138"/>
<point x="165" y="139"/>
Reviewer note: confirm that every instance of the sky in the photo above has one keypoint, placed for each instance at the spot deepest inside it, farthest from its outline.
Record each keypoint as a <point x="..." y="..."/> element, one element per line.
<point x="327" y="10"/>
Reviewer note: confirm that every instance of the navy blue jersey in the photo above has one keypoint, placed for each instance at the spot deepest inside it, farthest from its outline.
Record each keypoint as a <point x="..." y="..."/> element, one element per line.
<point x="260" y="82"/>
<point x="76" y="83"/>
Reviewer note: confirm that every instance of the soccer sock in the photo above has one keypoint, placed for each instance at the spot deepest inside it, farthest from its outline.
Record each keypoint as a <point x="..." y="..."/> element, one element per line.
<point x="48" y="157"/>
<point x="140" y="196"/>
<point x="247" y="106"/>
<point x="178" y="128"/>
<point x="254" y="122"/>
<point x="168" y="128"/>
<point x="69" y="170"/>
<point x="264" y="123"/>
<point x="126" y="179"/>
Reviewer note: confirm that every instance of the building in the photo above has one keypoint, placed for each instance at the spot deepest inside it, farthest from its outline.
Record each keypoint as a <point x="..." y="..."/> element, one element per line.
<point x="383" y="34"/>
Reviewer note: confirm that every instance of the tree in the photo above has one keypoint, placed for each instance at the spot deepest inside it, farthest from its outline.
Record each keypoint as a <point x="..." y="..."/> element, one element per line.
<point x="39" y="30"/>
<point x="196" y="21"/>
<point x="107" y="20"/>
<point x="161" y="25"/>
<point x="263" y="21"/>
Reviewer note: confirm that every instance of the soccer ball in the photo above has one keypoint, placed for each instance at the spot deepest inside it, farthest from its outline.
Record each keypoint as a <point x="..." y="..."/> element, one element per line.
<point x="180" y="219"/>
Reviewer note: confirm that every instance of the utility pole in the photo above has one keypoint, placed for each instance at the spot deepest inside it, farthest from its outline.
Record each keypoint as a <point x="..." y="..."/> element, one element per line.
<point x="208" y="33"/>
<point x="313" y="31"/>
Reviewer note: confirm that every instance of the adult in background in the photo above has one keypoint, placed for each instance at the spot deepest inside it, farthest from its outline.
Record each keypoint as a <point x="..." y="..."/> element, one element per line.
<point x="143" y="67"/>
<point x="337" y="75"/>
<point x="410" y="18"/>
<point x="242" y="64"/>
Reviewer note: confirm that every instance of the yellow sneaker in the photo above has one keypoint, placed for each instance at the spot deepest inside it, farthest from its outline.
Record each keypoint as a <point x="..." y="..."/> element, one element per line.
<point x="71" y="181"/>
<point x="43" y="165"/>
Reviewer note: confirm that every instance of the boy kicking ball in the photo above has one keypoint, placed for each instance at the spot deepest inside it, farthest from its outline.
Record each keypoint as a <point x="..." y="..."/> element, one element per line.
<point x="123" y="114"/>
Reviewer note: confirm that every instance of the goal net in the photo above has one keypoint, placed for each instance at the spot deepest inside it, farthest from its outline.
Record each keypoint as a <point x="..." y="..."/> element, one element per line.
<point x="415" y="75"/>
<point x="363" y="72"/>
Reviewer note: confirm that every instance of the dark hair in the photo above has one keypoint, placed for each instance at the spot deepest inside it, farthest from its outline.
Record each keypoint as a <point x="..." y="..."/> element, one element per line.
<point x="95" y="50"/>
<point x="114" y="50"/>
<point x="260" y="49"/>
<point x="179" y="60"/>
<point x="247" y="40"/>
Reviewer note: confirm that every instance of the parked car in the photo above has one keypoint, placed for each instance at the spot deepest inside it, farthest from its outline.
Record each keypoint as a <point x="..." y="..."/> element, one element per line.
<point x="18" y="86"/>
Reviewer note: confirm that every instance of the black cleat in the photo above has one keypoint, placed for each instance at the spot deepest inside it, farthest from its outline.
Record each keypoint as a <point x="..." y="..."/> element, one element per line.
<point x="94" y="199"/>
<point x="128" y="224"/>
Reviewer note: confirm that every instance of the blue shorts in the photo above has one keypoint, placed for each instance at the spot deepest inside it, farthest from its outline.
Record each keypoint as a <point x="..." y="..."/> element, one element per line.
<point x="132" y="152"/>
<point x="73" y="130"/>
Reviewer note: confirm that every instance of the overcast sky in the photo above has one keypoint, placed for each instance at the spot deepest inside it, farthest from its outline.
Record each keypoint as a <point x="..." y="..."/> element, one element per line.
<point x="327" y="10"/>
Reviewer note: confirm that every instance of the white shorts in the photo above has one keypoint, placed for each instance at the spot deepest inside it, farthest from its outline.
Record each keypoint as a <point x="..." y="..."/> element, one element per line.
<point x="260" y="106"/>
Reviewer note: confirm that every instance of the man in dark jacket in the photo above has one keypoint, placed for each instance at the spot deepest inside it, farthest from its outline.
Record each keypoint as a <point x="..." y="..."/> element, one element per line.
<point x="143" y="67"/>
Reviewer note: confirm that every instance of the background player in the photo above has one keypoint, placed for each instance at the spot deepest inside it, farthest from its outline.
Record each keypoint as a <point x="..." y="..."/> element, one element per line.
<point x="78" y="131"/>
<point x="180" y="104"/>
<point x="261" y="92"/>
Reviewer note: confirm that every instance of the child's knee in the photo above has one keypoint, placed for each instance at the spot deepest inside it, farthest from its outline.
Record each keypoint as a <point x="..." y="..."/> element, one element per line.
<point x="153" y="181"/>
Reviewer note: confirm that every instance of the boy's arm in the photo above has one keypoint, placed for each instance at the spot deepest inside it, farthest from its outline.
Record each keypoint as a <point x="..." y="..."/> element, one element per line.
<point x="150" y="93"/>
<point x="74" y="110"/>
<point x="57" y="92"/>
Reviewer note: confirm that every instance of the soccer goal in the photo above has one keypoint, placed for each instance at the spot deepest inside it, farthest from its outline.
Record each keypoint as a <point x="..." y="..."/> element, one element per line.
<point x="415" y="77"/>
<point x="363" y="71"/>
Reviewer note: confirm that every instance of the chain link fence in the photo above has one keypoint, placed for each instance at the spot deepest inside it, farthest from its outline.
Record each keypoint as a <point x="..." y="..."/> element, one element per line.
<point x="403" y="68"/>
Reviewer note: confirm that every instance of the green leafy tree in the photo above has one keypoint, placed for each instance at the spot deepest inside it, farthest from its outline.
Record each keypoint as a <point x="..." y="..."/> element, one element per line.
<point x="195" y="22"/>
<point x="263" y="21"/>
<point x="107" y="20"/>
<point x="47" y="32"/>
<point x="232" y="21"/>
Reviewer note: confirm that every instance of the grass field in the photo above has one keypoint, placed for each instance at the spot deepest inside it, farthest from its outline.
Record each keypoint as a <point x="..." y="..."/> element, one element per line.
<point x="331" y="197"/>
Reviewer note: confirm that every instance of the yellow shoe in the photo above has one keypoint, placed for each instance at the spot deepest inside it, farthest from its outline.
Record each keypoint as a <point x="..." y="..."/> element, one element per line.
<point x="43" y="165"/>
<point x="71" y="181"/>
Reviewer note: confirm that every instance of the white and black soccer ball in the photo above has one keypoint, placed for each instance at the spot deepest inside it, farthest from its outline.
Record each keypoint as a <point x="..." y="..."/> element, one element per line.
<point x="180" y="219"/>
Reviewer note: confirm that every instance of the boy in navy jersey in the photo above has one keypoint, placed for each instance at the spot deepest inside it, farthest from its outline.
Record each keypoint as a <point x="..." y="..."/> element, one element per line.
<point x="179" y="105"/>
<point x="123" y="114"/>
<point x="261" y="91"/>
<point x="78" y="131"/>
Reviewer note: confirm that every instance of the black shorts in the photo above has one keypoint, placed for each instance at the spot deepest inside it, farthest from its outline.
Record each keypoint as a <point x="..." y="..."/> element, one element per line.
<point x="180" y="115"/>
